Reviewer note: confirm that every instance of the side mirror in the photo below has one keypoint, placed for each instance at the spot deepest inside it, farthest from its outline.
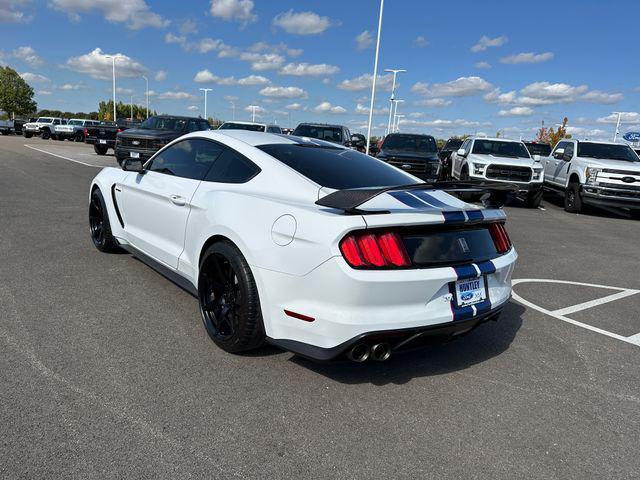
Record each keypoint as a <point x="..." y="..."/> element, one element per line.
<point x="133" y="165"/>
<point x="461" y="152"/>
<point x="559" y="153"/>
<point x="536" y="158"/>
<point x="357" y="141"/>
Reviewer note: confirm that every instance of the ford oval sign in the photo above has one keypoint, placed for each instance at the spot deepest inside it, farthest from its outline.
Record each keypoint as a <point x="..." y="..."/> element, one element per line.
<point x="632" y="136"/>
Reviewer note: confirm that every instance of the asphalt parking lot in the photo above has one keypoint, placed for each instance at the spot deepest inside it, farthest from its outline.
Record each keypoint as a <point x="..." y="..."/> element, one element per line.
<point x="107" y="372"/>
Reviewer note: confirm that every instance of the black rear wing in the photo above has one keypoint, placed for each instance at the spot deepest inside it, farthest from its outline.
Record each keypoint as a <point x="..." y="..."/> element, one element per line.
<point x="492" y="194"/>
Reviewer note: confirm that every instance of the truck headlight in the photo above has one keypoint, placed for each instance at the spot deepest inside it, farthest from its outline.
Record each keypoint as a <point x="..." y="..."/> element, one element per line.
<point x="591" y="174"/>
<point x="478" y="168"/>
<point x="537" y="173"/>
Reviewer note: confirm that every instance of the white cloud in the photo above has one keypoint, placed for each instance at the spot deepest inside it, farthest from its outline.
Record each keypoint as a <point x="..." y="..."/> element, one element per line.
<point x="34" y="78"/>
<point x="98" y="66"/>
<point x="364" y="40"/>
<point x="188" y="26"/>
<point x="71" y="86"/>
<point x="160" y="76"/>
<point x="293" y="106"/>
<point x="258" y="109"/>
<point x="483" y="65"/>
<point x="591" y="133"/>
<point x="227" y="51"/>
<point x="516" y="112"/>
<point x="177" y="96"/>
<point x="496" y="96"/>
<point x="171" y="38"/>
<point x="364" y="110"/>
<point x="281" y="47"/>
<point x="308" y="69"/>
<point x="283" y="92"/>
<point x="263" y="61"/>
<point x="486" y="42"/>
<point x="363" y="82"/>
<point x="545" y="93"/>
<point x="205" y="45"/>
<point x="461" y="87"/>
<point x="596" y="96"/>
<point x="445" y="124"/>
<point x="326" y="107"/>
<point x="301" y="23"/>
<point x="136" y="14"/>
<point x="192" y="108"/>
<point x="43" y="92"/>
<point x="528" y="57"/>
<point x="28" y="55"/>
<point x="206" y="76"/>
<point x="124" y="91"/>
<point x="420" y="41"/>
<point x="625" y="117"/>
<point x="240" y="11"/>
<point x="11" y="11"/>
<point x="231" y="98"/>
<point x="433" y="102"/>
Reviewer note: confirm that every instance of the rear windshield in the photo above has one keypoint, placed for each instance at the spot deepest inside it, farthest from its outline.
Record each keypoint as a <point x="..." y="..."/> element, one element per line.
<point x="500" y="149"/>
<point x="543" y="149"/>
<point x="164" y="123"/>
<point x="330" y="134"/>
<point x="411" y="143"/>
<point x="74" y="122"/>
<point x="605" y="151"/>
<point x="337" y="168"/>
<point x="242" y="126"/>
<point x="45" y="120"/>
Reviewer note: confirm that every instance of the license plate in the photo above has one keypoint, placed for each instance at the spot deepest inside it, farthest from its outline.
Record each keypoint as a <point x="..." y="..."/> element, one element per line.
<point x="470" y="291"/>
<point x="134" y="154"/>
<point x="103" y="142"/>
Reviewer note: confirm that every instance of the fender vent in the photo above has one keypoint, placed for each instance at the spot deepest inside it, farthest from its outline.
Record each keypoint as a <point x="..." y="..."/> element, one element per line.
<point x="115" y="204"/>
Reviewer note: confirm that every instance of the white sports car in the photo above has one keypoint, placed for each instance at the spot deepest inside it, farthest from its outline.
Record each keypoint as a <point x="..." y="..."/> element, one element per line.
<point x="307" y="245"/>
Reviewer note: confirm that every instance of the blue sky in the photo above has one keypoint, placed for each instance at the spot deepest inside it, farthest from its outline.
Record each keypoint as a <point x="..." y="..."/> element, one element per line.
<point x="472" y="67"/>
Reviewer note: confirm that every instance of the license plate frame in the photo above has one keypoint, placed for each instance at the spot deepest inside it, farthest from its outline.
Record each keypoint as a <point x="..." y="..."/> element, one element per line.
<point x="134" y="154"/>
<point x="473" y="291"/>
<point x="102" y="142"/>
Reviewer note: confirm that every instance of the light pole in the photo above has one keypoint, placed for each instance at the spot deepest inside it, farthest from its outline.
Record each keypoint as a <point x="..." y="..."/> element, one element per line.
<point x="398" y="117"/>
<point x="113" y="65"/>
<point x="205" y="90"/>
<point x="131" y="107"/>
<point x="147" y="80"/>
<point x="615" y="135"/>
<point x="393" y="92"/>
<point x="394" y="108"/>
<point x="375" y="74"/>
<point x="253" y="112"/>
<point x="233" y="111"/>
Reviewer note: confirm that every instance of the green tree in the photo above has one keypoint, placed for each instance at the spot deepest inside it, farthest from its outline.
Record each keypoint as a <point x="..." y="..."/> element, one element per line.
<point x="123" y="110"/>
<point x="16" y="96"/>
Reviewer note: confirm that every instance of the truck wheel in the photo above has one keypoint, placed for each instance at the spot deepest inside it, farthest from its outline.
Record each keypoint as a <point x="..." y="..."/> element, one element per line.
<point x="100" y="150"/>
<point x="46" y="134"/>
<point x="573" y="199"/>
<point x="27" y="135"/>
<point x="533" y="199"/>
<point x="79" y="137"/>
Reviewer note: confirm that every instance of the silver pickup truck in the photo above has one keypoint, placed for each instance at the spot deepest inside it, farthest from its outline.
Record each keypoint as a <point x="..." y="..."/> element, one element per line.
<point x="74" y="129"/>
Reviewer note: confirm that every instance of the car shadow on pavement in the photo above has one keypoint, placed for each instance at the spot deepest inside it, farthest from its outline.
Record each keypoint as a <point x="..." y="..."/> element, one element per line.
<point x="487" y="341"/>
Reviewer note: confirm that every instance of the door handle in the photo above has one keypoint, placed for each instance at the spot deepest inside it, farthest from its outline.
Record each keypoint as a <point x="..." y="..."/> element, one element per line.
<point x="178" y="200"/>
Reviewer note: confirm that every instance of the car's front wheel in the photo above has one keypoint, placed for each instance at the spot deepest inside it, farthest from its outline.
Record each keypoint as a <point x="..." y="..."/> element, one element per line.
<point x="99" y="226"/>
<point x="229" y="301"/>
<point x="533" y="199"/>
<point x="100" y="149"/>
<point x="46" y="134"/>
<point x="573" y="199"/>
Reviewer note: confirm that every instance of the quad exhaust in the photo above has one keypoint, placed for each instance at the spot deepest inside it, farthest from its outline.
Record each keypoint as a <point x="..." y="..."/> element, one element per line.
<point x="361" y="352"/>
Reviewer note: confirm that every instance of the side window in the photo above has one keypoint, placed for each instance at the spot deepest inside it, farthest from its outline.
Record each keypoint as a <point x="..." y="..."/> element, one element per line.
<point x="232" y="167"/>
<point x="466" y="145"/>
<point x="568" y="150"/>
<point x="204" y="125"/>
<point x="558" y="146"/>
<point x="192" y="126"/>
<point x="188" y="159"/>
<point x="56" y="122"/>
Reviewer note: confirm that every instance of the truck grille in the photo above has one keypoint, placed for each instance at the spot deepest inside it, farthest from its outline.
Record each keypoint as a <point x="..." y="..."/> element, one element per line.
<point x="136" y="142"/>
<point x="509" y="173"/>
<point x="620" y="172"/>
<point x="416" y="166"/>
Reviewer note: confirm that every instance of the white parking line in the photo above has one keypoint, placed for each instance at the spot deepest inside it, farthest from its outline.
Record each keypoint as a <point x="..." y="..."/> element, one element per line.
<point x="561" y="313"/>
<point x="64" y="158"/>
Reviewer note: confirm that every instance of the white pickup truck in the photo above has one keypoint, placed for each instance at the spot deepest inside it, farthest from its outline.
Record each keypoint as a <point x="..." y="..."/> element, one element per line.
<point x="44" y="126"/>
<point x="594" y="173"/>
<point x="500" y="160"/>
<point x="74" y="129"/>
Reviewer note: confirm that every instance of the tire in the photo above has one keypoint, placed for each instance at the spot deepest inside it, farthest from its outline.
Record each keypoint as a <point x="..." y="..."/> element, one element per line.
<point x="100" y="150"/>
<point x="573" y="199"/>
<point x="466" y="196"/>
<point x="46" y="134"/>
<point x="79" y="137"/>
<point x="228" y="299"/>
<point x="99" y="225"/>
<point x="533" y="199"/>
<point x="635" y="214"/>
<point x="28" y="135"/>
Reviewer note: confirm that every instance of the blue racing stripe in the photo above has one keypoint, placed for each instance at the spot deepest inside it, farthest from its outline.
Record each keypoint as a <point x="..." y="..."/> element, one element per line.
<point x="454" y="217"/>
<point x="466" y="271"/>
<point x="474" y="215"/>
<point x="462" y="313"/>
<point x="409" y="200"/>
<point x="430" y="199"/>
<point x="483" y="307"/>
<point x="487" y="267"/>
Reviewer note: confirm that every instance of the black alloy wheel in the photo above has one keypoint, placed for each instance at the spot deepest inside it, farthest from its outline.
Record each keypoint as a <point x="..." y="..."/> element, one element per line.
<point x="46" y="134"/>
<point x="220" y="297"/>
<point x="99" y="226"/>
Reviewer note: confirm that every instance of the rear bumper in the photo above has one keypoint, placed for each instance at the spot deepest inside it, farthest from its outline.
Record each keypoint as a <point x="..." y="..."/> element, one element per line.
<point x="96" y="141"/>
<point x="125" y="152"/>
<point x="348" y="304"/>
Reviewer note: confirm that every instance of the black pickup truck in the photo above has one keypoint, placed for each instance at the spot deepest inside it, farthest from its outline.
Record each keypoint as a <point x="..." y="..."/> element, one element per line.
<point x="153" y="134"/>
<point x="103" y="136"/>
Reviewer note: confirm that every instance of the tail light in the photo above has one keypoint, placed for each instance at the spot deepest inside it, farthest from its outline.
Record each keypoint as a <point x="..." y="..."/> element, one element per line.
<point x="119" y="130"/>
<point x="86" y="132"/>
<point x="374" y="250"/>
<point x="500" y="237"/>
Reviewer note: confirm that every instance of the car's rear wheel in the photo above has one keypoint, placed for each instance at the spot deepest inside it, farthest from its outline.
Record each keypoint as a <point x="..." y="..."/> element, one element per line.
<point x="99" y="226"/>
<point x="229" y="301"/>
<point x="573" y="199"/>
<point x="46" y="134"/>
<point x="79" y="137"/>
<point x="100" y="149"/>
<point x="533" y="199"/>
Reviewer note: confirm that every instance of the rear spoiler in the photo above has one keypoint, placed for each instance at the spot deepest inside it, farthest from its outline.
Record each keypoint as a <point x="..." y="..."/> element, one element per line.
<point x="493" y="194"/>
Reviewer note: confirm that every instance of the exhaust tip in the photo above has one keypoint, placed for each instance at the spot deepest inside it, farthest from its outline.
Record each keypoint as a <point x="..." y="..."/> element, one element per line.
<point x="359" y="353"/>
<point x="380" y="352"/>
